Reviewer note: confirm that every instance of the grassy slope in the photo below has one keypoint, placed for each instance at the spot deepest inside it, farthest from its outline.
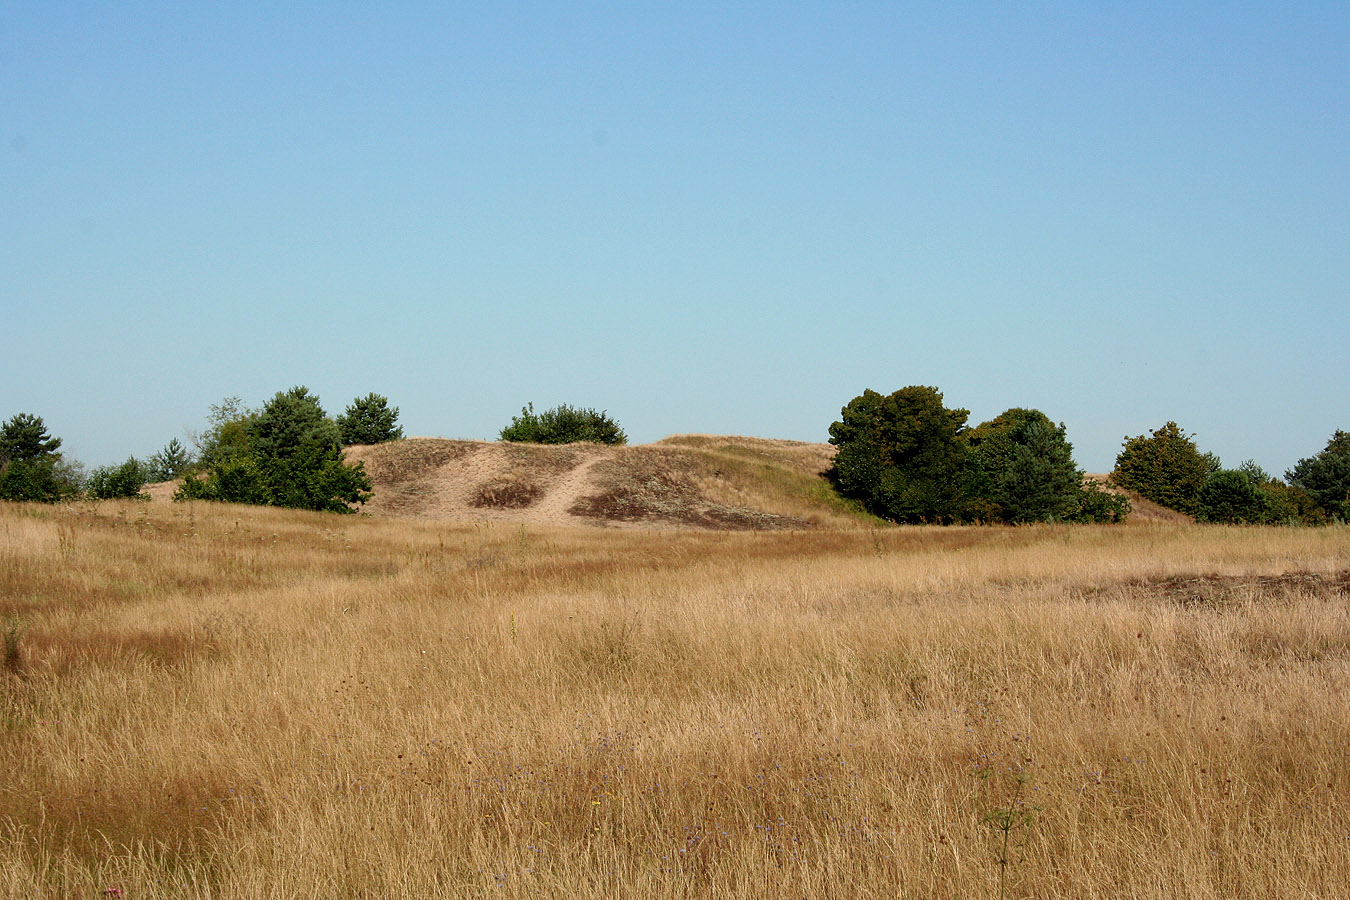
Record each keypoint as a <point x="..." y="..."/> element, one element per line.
<point x="219" y="701"/>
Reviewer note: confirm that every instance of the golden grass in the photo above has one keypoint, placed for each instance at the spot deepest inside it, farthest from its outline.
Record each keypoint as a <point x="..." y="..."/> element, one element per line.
<point x="217" y="701"/>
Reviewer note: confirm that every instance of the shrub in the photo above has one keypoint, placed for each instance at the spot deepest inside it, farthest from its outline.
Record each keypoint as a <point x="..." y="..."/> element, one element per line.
<point x="110" y="482"/>
<point x="1096" y="504"/>
<point x="288" y="454"/>
<point x="369" y="420"/>
<point x="1326" y="477"/>
<point x="902" y="455"/>
<point x="563" y="425"/>
<point x="1165" y="467"/>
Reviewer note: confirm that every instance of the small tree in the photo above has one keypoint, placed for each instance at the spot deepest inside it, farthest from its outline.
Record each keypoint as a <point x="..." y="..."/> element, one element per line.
<point x="1326" y="476"/>
<point x="226" y="434"/>
<point x="1165" y="467"/>
<point x="30" y="466"/>
<point x="369" y="420"/>
<point x="563" y="425"/>
<point x="171" y="462"/>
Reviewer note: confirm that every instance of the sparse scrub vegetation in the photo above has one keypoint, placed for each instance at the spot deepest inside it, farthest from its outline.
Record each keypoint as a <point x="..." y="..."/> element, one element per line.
<point x="116" y="482"/>
<point x="563" y="425"/>
<point x="257" y="702"/>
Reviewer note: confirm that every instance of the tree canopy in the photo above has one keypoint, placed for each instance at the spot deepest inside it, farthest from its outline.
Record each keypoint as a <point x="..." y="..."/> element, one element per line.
<point x="289" y="453"/>
<point x="369" y="420"/>
<point x="909" y="458"/>
<point x="1166" y="467"/>
<point x="30" y="464"/>
<point x="1326" y="476"/>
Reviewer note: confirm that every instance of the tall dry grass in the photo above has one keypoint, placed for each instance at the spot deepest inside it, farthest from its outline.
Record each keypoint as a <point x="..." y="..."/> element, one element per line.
<point x="211" y="701"/>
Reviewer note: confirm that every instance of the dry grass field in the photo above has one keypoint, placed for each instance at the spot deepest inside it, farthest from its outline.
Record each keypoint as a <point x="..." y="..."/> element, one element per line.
<point x="203" y="701"/>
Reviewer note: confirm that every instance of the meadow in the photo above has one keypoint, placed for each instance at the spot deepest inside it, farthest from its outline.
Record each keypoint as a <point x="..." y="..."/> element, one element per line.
<point x="209" y="701"/>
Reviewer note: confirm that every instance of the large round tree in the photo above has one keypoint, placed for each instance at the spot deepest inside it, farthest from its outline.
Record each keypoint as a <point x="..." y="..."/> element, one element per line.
<point x="902" y="455"/>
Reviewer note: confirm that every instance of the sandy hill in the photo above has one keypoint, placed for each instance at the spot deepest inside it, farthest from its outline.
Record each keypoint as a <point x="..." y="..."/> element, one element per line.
<point x="699" y="481"/>
<point x="684" y="481"/>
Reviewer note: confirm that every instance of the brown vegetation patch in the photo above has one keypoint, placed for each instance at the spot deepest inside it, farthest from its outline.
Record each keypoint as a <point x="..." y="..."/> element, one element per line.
<point x="651" y="485"/>
<point x="406" y="460"/>
<point x="506" y="493"/>
<point x="43" y="651"/>
<point x="1217" y="591"/>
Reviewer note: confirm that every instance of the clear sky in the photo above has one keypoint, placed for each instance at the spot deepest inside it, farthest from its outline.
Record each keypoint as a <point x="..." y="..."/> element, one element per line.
<point x="702" y="217"/>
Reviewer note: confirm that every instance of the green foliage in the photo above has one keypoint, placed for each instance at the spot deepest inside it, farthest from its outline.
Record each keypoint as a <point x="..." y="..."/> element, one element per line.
<point x="171" y="462"/>
<point x="903" y="455"/>
<point x="1233" y="496"/>
<point x="30" y="466"/>
<point x="1165" y="467"/>
<point x="369" y="420"/>
<point x="1326" y="477"/>
<point x="563" y="425"/>
<point x="24" y="437"/>
<point x="908" y="458"/>
<point x="109" y="482"/>
<point x="287" y="454"/>
<point x="226" y="435"/>
<point x="1022" y="468"/>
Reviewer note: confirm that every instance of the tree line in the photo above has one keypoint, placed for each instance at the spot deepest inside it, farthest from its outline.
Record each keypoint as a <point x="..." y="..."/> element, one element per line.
<point x="908" y="458"/>
<point x="904" y="457"/>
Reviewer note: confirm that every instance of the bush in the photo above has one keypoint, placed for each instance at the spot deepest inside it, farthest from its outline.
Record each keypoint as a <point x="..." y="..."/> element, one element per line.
<point x="1096" y="504"/>
<point x="563" y="425"/>
<point x="1326" y="477"/>
<point x="30" y="466"/>
<point x="902" y="455"/>
<point x="110" y="482"/>
<point x="1165" y="467"/>
<point x="288" y="454"/>
<point x="369" y="420"/>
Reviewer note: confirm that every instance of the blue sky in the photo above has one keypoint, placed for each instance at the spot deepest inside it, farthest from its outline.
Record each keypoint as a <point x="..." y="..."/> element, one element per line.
<point x="702" y="217"/>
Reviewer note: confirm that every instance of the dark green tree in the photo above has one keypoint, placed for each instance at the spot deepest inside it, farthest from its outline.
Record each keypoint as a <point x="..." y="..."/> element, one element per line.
<point x="369" y="420"/>
<point x="1165" y="467"/>
<point x="31" y="468"/>
<point x="289" y="454"/>
<point x="563" y="425"/>
<point x="1326" y="477"/>
<point x="1022" y="468"/>
<point x="903" y="455"/>
<point x="1233" y="496"/>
